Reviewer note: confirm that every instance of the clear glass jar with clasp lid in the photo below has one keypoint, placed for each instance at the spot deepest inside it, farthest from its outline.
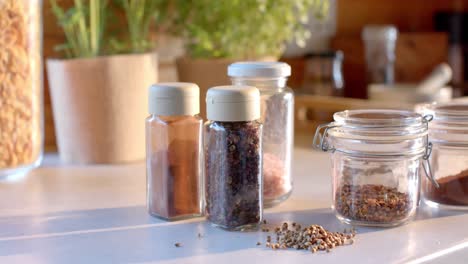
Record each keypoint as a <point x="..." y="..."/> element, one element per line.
<point x="449" y="134"/>
<point x="377" y="157"/>
<point x="277" y="116"/>
<point x="21" y="118"/>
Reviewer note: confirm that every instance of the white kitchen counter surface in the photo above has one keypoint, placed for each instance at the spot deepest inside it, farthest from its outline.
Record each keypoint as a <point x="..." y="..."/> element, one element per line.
<point x="96" y="214"/>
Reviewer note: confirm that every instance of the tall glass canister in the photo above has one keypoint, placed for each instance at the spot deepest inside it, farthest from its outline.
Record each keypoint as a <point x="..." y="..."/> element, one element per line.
<point x="277" y="116"/>
<point x="21" y="117"/>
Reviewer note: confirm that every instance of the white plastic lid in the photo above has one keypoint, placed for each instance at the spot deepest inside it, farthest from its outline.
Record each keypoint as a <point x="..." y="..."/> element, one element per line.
<point x="380" y="32"/>
<point x="233" y="103"/>
<point x="265" y="69"/>
<point x="174" y="99"/>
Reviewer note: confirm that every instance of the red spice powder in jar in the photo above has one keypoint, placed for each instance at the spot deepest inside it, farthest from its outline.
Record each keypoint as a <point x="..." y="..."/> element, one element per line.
<point x="174" y="174"/>
<point x="453" y="190"/>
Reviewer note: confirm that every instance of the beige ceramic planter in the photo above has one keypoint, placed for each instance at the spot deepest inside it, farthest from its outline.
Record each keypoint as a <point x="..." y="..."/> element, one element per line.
<point x="100" y="106"/>
<point x="206" y="73"/>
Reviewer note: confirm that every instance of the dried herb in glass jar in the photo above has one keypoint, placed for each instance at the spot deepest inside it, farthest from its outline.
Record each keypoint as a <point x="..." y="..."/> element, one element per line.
<point x="233" y="158"/>
<point x="372" y="203"/>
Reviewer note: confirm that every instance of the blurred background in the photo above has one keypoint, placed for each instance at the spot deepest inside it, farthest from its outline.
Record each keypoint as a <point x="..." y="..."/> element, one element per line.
<point x="329" y="67"/>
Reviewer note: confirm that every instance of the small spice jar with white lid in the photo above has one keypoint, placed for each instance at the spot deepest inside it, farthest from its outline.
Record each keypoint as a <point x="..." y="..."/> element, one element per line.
<point x="277" y="116"/>
<point x="449" y="160"/>
<point x="174" y="151"/>
<point x="377" y="158"/>
<point x="233" y="158"/>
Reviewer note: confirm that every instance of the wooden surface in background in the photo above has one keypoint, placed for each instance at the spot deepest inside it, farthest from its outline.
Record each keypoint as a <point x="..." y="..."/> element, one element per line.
<point x="407" y="15"/>
<point x="313" y="110"/>
<point x="416" y="55"/>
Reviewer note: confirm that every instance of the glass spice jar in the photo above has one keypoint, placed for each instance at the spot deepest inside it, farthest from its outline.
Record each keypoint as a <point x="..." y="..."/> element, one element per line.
<point x="233" y="158"/>
<point x="277" y="116"/>
<point x="173" y="151"/>
<point x="21" y="110"/>
<point x="376" y="159"/>
<point x="449" y="161"/>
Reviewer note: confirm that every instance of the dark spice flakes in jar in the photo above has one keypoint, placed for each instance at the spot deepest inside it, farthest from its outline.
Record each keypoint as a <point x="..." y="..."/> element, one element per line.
<point x="372" y="203"/>
<point x="233" y="164"/>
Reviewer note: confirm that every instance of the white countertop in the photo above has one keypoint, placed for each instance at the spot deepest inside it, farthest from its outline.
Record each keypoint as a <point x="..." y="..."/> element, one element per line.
<point x="97" y="214"/>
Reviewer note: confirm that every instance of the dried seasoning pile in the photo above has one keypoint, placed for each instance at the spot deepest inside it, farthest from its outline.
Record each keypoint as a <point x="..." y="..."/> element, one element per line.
<point x="314" y="238"/>
<point x="233" y="173"/>
<point x="20" y="83"/>
<point x="372" y="203"/>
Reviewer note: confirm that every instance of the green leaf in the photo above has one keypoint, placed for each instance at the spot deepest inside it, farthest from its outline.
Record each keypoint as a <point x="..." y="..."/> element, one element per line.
<point x="243" y="28"/>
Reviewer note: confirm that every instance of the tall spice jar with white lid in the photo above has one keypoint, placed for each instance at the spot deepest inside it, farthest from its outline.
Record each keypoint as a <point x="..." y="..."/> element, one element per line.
<point x="233" y="158"/>
<point x="277" y="116"/>
<point x="173" y="151"/>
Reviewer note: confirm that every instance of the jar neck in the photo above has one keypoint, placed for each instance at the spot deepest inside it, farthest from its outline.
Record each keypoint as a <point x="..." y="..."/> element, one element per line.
<point x="261" y="83"/>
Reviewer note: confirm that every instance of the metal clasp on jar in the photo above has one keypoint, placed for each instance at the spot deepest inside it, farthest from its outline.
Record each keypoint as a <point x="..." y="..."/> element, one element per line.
<point x="427" y="154"/>
<point x="320" y="141"/>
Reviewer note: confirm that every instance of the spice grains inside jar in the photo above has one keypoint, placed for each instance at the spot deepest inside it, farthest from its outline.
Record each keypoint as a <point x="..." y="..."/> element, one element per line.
<point x="277" y="110"/>
<point x="174" y="160"/>
<point x="21" y="131"/>
<point x="233" y="158"/>
<point x="376" y="164"/>
<point x="449" y="160"/>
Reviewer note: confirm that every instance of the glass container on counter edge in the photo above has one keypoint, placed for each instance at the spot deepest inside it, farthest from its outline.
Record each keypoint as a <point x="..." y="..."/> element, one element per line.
<point x="376" y="157"/>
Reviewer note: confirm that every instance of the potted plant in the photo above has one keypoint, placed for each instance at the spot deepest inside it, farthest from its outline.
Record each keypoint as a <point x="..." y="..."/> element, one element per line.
<point x="218" y="33"/>
<point x="99" y="90"/>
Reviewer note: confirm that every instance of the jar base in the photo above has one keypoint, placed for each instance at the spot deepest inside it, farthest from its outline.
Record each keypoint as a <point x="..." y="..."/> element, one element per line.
<point x="269" y="203"/>
<point x="175" y="218"/>
<point x="18" y="172"/>
<point x="244" y="228"/>
<point x="373" y="224"/>
<point x="441" y="206"/>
